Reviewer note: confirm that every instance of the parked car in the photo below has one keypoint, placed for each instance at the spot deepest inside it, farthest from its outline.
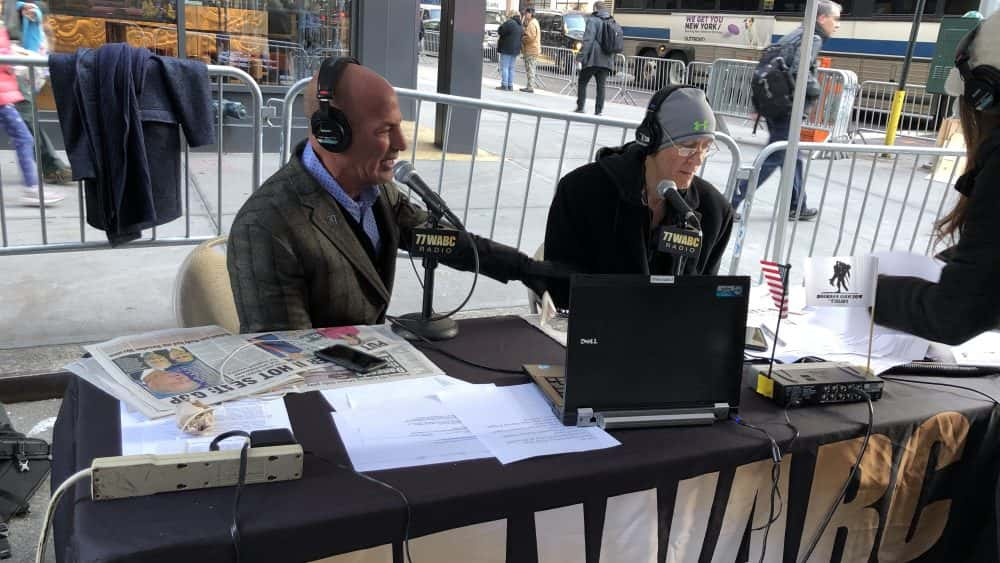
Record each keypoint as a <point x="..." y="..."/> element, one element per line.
<point x="493" y="21"/>
<point x="430" y="12"/>
<point x="562" y="30"/>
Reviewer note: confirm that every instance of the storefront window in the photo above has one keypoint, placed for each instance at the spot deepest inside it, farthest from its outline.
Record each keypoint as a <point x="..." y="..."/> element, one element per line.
<point x="275" y="41"/>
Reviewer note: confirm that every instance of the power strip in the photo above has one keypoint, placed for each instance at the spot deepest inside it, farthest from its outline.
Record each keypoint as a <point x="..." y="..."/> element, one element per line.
<point x="148" y="474"/>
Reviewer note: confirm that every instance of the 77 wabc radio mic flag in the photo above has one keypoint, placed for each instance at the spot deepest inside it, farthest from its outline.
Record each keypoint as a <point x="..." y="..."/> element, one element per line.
<point x="841" y="281"/>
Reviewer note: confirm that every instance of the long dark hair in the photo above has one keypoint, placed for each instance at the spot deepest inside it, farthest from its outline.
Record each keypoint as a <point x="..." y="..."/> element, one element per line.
<point x="976" y="128"/>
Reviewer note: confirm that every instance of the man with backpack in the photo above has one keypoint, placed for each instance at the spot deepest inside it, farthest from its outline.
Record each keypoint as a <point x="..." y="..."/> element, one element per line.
<point x="772" y="87"/>
<point x="602" y="39"/>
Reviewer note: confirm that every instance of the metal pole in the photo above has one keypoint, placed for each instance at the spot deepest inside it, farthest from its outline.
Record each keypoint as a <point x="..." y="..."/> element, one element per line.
<point x="182" y="33"/>
<point x="900" y="97"/>
<point x="794" y="130"/>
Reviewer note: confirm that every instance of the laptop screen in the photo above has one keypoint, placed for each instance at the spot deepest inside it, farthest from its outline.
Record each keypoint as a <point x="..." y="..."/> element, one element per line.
<point x="634" y="343"/>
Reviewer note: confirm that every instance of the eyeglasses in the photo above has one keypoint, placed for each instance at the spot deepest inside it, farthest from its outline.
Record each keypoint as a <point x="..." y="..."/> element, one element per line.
<point x="687" y="151"/>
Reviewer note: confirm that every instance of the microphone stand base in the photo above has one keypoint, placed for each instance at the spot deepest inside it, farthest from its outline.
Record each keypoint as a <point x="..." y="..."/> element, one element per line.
<point x="415" y="325"/>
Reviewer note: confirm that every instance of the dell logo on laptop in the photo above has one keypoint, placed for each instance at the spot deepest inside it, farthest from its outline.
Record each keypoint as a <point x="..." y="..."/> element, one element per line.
<point x="588" y="341"/>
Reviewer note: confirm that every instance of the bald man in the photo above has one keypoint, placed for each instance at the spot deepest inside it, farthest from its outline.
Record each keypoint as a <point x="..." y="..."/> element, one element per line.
<point x="316" y="245"/>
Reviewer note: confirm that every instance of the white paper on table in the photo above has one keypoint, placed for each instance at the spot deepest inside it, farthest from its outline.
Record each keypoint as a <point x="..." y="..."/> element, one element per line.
<point x="405" y="433"/>
<point x="983" y="350"/>
<point x="834" y="334"/>
<point x="909" y="264"/>
<point x="345" y="398"/>
<point x="516" y="423"/>
<point x="141" y="435"/>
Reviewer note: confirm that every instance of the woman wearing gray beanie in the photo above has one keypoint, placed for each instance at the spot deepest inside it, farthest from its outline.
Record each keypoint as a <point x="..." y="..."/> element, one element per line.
<point x="606" y="215"/>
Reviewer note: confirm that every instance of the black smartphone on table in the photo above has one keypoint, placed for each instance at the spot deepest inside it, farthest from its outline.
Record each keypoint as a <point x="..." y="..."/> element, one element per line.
<point x="354" y="360"/>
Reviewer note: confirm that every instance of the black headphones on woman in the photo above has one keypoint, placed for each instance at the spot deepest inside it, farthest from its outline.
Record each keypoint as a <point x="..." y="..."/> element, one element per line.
<point x="329" y="124"/>
<point x="649" y="134"/>
<point x="982" y="83"/>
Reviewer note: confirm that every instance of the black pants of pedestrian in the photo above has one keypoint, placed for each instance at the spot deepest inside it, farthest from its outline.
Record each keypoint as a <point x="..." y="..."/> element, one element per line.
<point x="599" y="74"/>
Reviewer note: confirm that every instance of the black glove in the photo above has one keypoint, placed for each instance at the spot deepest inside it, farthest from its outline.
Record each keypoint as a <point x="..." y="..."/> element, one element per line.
<point x="542" y="276"/>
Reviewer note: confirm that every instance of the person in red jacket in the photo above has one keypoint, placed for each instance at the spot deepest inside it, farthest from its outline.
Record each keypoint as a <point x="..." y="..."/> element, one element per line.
<point x="13" y="125"/>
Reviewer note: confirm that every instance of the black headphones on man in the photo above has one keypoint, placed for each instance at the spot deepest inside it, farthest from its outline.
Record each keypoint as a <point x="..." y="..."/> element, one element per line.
<point x="329" y="124"/>
<point x="982" y="83"/>
<point x="649" y="134"/>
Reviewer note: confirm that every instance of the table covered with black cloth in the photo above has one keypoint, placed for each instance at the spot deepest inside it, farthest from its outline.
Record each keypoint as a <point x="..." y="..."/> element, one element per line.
<point x="924" y="492"/>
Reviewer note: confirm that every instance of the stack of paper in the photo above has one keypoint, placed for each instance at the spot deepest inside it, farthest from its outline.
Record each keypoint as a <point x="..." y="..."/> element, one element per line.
<point x="421" y="422"/>
<point x="983" y="350"/>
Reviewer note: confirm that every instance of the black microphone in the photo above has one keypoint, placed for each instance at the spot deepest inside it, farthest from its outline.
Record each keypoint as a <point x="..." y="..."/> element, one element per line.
<point x="668" y="190"/>
<point x="405" y="174"/>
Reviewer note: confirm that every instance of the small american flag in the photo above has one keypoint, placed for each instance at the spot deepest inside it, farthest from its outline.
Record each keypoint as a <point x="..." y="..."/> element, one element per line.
<point x="776" y="277"/>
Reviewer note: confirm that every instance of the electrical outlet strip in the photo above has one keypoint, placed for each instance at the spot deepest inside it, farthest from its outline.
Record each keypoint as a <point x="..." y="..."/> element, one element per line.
<point x="147" y="474"/>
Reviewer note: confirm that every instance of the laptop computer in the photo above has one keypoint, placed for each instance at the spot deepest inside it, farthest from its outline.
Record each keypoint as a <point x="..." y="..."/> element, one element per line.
<point x="649" y="351"/>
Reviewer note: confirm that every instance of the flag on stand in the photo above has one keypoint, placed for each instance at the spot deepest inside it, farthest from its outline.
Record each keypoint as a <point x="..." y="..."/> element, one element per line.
<point x="841" y="281"/>
<point x="776" y="276"/>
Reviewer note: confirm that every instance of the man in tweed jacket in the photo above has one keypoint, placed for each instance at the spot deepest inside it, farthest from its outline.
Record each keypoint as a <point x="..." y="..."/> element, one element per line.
<point x="316" y="245"/>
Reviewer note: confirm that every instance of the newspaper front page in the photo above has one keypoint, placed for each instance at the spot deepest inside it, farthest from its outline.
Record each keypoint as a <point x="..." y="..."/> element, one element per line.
<point x="156" y="371"/>
<point x="403" y="360"/>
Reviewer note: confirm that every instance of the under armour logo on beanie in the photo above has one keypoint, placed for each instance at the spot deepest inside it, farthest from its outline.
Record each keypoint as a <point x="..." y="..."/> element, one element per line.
<point x="685" y="114"/>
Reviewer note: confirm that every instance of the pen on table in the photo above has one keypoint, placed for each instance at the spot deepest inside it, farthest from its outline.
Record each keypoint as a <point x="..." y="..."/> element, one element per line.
<point x="773" y="336"/>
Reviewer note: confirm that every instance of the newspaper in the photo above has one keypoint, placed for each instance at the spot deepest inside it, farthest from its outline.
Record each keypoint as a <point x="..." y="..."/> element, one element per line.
<point x="403" y="361"/>
<point x="156" y="371"/>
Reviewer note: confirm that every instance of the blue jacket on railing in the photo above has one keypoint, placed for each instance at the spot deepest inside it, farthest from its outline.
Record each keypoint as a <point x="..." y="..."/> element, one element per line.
<point x="124" y="142"/>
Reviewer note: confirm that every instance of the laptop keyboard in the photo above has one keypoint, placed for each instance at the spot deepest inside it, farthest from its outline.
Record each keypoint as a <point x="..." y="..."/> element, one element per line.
<point x="557" y="383"/>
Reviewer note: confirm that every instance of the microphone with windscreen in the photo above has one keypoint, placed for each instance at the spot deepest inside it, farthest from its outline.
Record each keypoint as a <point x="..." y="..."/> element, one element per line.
<point x="682" y="242"/>
<point x="404" y="173"/>
<point x="668" y="190"/>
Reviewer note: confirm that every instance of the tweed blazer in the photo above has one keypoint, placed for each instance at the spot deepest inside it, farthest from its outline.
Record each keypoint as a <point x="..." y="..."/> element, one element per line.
<point x="295" y="262"/>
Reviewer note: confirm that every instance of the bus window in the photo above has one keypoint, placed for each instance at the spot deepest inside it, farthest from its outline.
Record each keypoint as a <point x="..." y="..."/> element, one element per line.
<point x="647" y="5"/>
<point x="785" y="6"/>
<point x="959" y="7"/>
<point x="901" y="7"/>
<point x="703" y="5"/>
<point x="739" y="5"/>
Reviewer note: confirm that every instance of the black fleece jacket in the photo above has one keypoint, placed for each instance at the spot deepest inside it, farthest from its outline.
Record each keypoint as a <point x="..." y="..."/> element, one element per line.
<point x="965" y="302"/>
<point x="598" y="223"/>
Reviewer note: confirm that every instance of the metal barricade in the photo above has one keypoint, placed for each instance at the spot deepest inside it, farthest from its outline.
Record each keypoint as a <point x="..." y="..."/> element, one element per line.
<point x="307" y="63"/>
<point x="728" y="91"/>
<point x="698" y="74"/>
<point x="649" y="74"/>
<point x="431" y="44"/>
<point x="918" y="119"/>
<point x="868" y="202"/>
<point x="728" y="88"/>
<point x="514" y="161"/>
<point x="556" y="68"/>
<point x="21" y="234"/>
<point x="832" y="111"/>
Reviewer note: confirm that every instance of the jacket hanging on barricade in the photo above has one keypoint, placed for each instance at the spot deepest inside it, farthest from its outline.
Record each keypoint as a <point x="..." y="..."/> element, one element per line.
<point x="121" y="109"/>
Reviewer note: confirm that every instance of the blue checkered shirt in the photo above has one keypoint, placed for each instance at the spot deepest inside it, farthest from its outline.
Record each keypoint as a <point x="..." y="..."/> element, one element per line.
<point x="361" y="210"/>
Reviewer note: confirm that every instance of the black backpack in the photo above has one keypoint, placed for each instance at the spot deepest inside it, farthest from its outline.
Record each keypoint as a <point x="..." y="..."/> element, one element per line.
<point x="612" y="37"/>
<point x="771" y="86"/>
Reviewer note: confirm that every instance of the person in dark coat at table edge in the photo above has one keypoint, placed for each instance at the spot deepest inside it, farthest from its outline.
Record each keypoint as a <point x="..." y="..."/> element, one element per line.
<point x="316" y="245"/>
<point x="509" y="45"/>
<point x="965" y="301"/>
<point x="594" y="61"/>
<point x="605" y="215"/>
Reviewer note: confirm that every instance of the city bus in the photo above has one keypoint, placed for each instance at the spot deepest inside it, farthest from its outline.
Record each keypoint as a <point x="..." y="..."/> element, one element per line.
<point x="871" y="42"/>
